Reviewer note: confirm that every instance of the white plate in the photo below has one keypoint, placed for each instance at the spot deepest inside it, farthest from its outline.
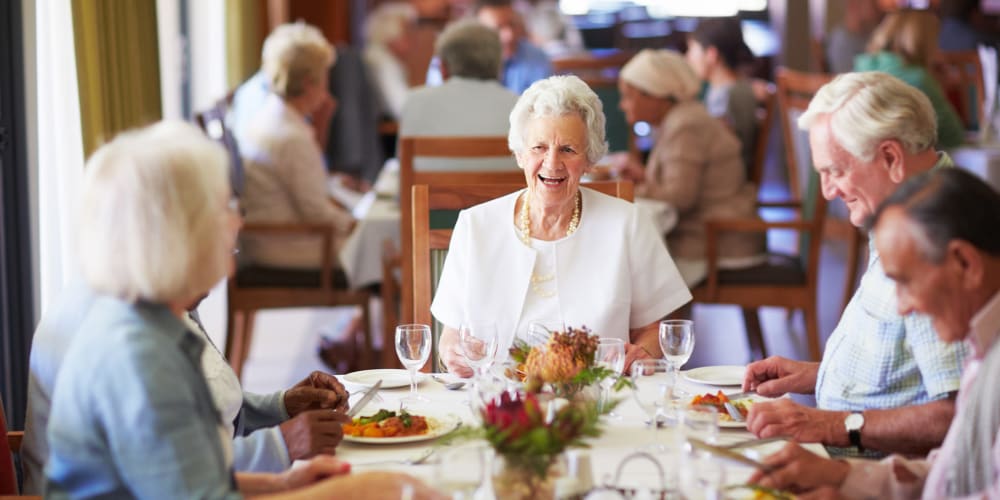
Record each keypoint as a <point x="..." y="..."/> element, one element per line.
<point x="391" y="378"/>
<point x="717" y="375"/>
<point x="439" y="425"/>
<point x="725" y="422"/>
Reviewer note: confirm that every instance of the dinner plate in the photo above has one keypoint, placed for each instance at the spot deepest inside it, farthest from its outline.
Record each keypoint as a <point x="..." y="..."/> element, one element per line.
<point x="717" y="375"/>
<point x="726" y="423"/>
<point x="439" y="424"/>
<point x="391" y="378"/>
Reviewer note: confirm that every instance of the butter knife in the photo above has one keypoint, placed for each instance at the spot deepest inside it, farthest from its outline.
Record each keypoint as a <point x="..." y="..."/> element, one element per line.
<point x="728" y="454"/>
<point x="369" y="394"/>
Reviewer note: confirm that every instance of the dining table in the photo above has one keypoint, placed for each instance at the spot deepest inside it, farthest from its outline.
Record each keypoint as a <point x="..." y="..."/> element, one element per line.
<point x="624" y="442"/>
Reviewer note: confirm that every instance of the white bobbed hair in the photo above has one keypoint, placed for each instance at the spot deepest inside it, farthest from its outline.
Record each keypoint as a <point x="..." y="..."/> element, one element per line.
<point x="388" y="21"/>
<point x="557" y="96"/>
<point x="152" y="219"/>
<point x="294" y="54"/>
<point x="869" y="107"/>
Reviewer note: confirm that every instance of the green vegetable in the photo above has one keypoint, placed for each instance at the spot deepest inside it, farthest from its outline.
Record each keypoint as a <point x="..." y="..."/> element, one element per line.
<point x="378" y="417"/>
<point x="405" y="418"/>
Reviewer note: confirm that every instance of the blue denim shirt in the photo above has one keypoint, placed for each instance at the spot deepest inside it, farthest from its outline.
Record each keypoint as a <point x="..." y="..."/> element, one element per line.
<point x="528" y="65"/>
<point x="131" y="413"/>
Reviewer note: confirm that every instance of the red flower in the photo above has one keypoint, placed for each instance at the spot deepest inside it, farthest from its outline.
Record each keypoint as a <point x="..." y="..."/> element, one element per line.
<point x="513" y="415"/>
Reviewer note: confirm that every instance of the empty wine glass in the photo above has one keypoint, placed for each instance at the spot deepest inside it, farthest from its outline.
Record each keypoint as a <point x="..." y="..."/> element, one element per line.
<point x="610" y="354"/>
<point x="461" y="470"/>
<point x="677" y="343"/>
<point x="413" y="346"/>
<point x="478" y="341"/>
<point x="653" y="386"/>
<point x="539" y="331"/>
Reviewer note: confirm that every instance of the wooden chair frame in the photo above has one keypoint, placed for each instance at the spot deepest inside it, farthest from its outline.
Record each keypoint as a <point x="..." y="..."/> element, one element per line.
<point x="458" y="197"/>
<point x="957" y="71"/>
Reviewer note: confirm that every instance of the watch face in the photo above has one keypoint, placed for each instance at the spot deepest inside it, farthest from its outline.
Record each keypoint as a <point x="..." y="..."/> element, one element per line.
<point x="854" y="421"/>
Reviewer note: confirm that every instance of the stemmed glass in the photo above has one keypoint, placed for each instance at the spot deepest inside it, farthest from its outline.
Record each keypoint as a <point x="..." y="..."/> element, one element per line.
<point x="610" y="354"/>
<point x="462" y="470"/>
<point x="478" y="342"/>
<point x="413" y="346"/>
<point x="539" y="331"/>
<point x="677" y="343"/>
<point x="654" y="383"/>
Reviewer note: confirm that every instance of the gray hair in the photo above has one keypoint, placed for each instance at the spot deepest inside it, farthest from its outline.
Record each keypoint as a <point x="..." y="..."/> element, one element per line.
<point x="388" y="21"/>
<point x="294" y="54"/>
<point x="557" y="96"/>
<point x="470" y="49"/>
<point x="152" y="214"/>
<point x="869" y="107"/>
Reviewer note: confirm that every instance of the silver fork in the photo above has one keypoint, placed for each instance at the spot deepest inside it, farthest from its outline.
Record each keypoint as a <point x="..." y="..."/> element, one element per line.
<point x="415" y="460"/>
<point x="734" y="412"/>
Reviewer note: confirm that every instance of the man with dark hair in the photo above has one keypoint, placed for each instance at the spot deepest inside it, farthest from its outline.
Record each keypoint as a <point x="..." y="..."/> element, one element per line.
<point x="523" y="63"/>
<point x="938" y="239"/>
<point x="471" y="102"/>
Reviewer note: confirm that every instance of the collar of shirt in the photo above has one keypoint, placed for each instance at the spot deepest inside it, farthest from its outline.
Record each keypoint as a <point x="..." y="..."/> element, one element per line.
<point x="985" y="326"/>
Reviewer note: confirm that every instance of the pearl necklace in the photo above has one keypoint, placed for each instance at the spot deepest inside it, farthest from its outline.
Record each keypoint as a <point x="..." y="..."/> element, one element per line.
<point x="525" y="223"/>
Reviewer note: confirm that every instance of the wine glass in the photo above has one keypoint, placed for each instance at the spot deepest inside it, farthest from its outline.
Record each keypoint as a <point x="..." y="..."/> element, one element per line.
<point x="478" y="342"/>
<point x="654" y="383"/>
<point x="413" y="346"/>
<point x="539" y="331"/>
<point x="610" y="354"/>
<point x="677" y="343"/>
<point x="460" y="472"/>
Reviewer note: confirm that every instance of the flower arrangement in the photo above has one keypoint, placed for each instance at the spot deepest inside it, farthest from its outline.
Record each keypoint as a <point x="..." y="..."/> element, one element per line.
<point x="565" y="363"/>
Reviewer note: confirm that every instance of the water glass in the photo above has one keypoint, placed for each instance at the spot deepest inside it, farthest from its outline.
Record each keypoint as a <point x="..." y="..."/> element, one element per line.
<point x="701" y="422"/>
<point x="413" y="346"/>
<point x="610" y="354"/>
<point x="478" y="341"/>
<point x="653" y="387"/>
<point x="461" y="470"/>
<point x="677" y="343"/>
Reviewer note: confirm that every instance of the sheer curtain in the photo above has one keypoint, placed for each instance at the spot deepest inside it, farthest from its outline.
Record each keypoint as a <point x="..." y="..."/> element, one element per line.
<point x="60" y="146"/>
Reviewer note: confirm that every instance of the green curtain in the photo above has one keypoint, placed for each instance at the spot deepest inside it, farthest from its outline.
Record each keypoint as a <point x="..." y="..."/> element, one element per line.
<point x="245" y="32"/>
<point x="117" y="64"/>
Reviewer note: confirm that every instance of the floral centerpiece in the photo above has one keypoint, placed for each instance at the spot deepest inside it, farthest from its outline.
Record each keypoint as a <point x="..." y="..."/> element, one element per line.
<point x="564" y="364"/>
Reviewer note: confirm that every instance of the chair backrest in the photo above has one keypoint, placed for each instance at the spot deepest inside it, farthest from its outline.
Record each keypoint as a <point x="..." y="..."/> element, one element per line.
<point x="441" y="147"/>
<point x="960" y="74"/>
<point x="213" y="122"/>
<point x="766" y="104"/>
<point x="8" y="477"/>
<point x="435" y="211"/>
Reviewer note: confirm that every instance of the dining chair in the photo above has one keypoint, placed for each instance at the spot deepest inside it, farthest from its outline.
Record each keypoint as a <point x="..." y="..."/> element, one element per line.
<point x="435" y="212"/>
<point x="441" y="147"/>
<point x="766" y="105"/>
<point x="8" y="476"/>
<point x="787" y="280"/>
<point x="960" y="74"/>
<point x="254" y="287"/>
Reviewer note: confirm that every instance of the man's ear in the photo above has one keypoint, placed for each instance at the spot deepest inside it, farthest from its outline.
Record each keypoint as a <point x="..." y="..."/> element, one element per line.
<point x="967" y="261"/>
<point x="891" y="153"/>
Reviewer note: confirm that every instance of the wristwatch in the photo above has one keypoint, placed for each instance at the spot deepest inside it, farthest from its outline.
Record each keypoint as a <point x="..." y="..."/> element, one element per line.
<point x="854" y="422"/>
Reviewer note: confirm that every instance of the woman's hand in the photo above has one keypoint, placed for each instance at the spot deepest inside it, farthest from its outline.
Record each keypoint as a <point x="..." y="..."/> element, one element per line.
<point x="451" y="353"/>
<point x="633" y="353"/>
<point x="320" y="467"/>
<point x="624" y="166"/>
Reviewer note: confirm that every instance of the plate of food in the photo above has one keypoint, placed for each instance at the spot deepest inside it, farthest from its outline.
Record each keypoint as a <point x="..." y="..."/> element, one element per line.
<point x="718" y="400"/>
<point x="725" y="375"/>
<point x="393" y="427"/>
<point x="390" y="377"/>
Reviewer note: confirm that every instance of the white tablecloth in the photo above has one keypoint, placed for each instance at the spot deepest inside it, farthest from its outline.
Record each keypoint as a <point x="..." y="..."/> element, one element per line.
<point x="620" y="439"/>
<point x="982" y="160"/>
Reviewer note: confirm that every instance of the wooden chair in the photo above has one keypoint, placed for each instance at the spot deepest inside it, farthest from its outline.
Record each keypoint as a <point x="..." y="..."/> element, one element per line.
<point x="253" y="288"/>
<point x="766" y="104"/>
<point x="960" y="74"/>
<point x="445" y="200"/>
<point x="8" y="476"/>
<point x="788" y="281"/>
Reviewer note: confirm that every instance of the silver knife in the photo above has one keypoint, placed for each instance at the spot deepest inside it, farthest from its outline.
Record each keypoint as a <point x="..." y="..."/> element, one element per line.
<point x="741" y="395"/>
<point x="728" y="454"/>
<point x="369" y="394"/>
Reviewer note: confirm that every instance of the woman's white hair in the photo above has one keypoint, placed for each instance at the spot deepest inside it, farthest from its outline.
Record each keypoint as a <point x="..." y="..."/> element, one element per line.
<point x="152" y="215"/>
<point x="388" y="21"/>
<point x="558" y="96"/>
<point x="294" y="54"/>
<point x="869" y="107"/>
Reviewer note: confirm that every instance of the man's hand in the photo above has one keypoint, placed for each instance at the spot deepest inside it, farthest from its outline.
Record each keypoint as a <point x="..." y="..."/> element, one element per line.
<point x="320" y="467"/>
<point x="785" y="417"/>
<point x="633" y="353"/>
<point x="800" y="470"/>
<point x="317" y="391"/>
<point x="313" y="432"/>
<point x="776" y="376"/>
<point x="375" y="486"/>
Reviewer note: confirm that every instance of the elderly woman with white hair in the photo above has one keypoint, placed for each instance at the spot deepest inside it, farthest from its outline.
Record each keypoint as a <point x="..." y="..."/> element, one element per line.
<point x="557" y="250"/>
<point x="286" y="179"/>
<point x="695" y="164"/>
<point x="132" y="414"/>
<point x="389" y="37"/>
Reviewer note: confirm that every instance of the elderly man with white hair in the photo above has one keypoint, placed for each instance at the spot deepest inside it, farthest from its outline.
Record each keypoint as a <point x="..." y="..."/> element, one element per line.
<point x="388" y="39"/>
<point x="886" y="382"/>
<point x="695" y="164"/>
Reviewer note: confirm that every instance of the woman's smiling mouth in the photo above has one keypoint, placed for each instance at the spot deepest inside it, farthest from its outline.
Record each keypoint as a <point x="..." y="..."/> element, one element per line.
<point x="551" y="181"/>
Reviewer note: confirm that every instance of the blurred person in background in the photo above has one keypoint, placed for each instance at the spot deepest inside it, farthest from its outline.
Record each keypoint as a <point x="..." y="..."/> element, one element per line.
<point x="695" y="164"/>
<point x="389" y="38"/>
<point x="716" y="52"/>
<point x="903" y="45"/>
<point x="850" y="37"/>
<point x="523" y="62"/>
<point x="551" y="30"/>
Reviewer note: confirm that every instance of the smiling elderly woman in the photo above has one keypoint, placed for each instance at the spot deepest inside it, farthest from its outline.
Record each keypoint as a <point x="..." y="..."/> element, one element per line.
<point x="555" y="249"/>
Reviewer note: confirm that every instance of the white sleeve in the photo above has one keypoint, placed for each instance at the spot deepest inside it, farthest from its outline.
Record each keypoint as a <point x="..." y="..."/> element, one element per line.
<point x="657" y="286"/>
<point x="448" y="299"/>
